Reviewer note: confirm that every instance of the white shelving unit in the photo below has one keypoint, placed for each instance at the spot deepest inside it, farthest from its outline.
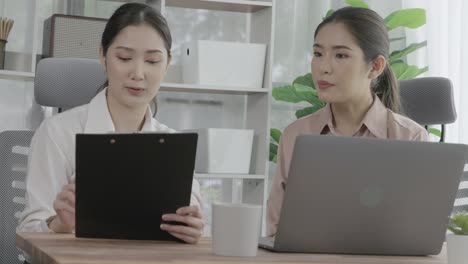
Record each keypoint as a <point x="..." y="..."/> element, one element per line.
<point x="20" y="51"/>
<point x="229" y="176"/>
<point x="222" y="5"/>
<point x="253" y="187"/>
<point x="16" y="75"/>
<point x="193" y="88"/>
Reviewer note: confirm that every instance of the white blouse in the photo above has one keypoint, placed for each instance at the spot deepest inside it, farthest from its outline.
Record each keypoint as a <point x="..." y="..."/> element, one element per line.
<point x="51" y="162"/>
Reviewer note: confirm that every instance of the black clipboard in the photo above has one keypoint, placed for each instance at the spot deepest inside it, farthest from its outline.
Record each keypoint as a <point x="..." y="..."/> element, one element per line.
<point x="126" y="182"/>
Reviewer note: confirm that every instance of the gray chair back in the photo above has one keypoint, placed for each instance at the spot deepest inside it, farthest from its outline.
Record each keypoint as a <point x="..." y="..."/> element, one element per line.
<point x="67" y="82"/>
<point x="429" y="101"/>
<point x="14" y="148"/>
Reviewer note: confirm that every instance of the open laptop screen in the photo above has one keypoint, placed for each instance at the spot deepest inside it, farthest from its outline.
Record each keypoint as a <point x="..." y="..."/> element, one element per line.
<point x="369" y="196"/>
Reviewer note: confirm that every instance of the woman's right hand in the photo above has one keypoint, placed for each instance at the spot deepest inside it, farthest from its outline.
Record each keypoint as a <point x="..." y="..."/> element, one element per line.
<point x="64" y="205"/>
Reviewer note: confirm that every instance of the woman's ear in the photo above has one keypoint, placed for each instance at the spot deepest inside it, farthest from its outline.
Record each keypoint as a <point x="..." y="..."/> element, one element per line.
<point x="102" y="58"/>
<point x="377" y="67"/>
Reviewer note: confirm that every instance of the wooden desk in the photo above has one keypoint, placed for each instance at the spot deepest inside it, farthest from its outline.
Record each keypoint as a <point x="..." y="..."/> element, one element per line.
<point x="65" y="248"/>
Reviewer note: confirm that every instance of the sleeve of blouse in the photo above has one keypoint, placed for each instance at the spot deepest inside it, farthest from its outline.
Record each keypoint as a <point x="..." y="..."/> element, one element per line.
<point x="421" y="135"/>
<point x="47" y="173"/>
<point x="275" y="200"/>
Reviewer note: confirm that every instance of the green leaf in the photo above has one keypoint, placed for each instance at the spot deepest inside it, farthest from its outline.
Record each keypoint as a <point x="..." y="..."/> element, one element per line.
<point x="286" y="94"/>
<point x="302" y="90"/>
<point x="464" y="228"/>
<point x="307" y="111"/>
<point x="404" y="71"/>
<point x="401" y="53"/>
<point x="357" y="3"/>
<point x="275" y="134"/>
<point x="273" y="152"/>
<point x="305" y="80"/>
<point x="329" y="12"/>
<point x="397" y="39"/>
<point x="461" y="221"/>
<point x="411" y="18"/>
<point x="458" y="224"/>
<point x="435" y="131"/>
<point x="308" y="94"/>
<point x="398" y="67"/>
<point x="455" y="231"/>
<point x="413" y="72"/>
<point x="273" y="147"/>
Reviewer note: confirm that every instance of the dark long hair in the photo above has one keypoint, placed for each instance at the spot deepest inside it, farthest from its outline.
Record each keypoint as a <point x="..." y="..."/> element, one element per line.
<point x="370" y="32"/>
<point x="134" y="14"/>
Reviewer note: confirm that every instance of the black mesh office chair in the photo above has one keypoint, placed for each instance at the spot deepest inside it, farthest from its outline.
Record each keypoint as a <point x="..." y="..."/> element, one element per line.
<point x="429" y="101"/>
<point x="14" y="148"/>
<point x="461" y="202"/>
<point x="62" y="83"/>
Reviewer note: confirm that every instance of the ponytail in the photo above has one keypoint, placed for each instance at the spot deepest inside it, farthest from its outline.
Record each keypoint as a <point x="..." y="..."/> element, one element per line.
<point x="387" y="89"/>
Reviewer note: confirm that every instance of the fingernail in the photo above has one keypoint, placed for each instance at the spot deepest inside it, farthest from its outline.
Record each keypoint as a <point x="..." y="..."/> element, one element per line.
<point x="162" y="226"/>
<point x="164" y="217"/>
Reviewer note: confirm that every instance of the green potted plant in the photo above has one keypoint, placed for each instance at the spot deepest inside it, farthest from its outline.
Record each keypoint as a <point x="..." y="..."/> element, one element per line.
<point x="302" y="88"/>
<point x="457" y="243"/>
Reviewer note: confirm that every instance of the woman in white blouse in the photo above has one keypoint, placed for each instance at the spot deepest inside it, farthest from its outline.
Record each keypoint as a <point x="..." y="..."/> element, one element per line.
<point x="135" y="52"/>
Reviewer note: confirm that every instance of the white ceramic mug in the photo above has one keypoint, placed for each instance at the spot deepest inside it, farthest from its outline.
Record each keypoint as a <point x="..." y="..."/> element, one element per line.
<point x="236" y="229"/>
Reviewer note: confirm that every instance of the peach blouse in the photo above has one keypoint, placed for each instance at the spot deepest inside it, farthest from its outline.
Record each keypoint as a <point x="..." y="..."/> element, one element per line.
<point x="379" y="122"/>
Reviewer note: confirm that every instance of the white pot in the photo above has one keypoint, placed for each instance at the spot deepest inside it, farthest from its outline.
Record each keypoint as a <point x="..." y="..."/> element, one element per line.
<point x="457" y="249"/>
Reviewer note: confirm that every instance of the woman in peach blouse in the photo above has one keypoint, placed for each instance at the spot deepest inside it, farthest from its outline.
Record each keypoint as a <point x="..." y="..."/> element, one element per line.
<point x="352" y="75"/>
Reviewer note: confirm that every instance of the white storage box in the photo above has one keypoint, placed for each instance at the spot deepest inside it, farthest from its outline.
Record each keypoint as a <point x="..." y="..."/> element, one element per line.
<point x="221" y="150"/>
<point x="223" y="63"/>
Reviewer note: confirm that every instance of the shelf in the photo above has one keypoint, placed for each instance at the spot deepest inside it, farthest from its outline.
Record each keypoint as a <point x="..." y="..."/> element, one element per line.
<point x="192" y="88"/>
<point x="229" y="176"/>
<point x="16" y="75"/>
<point x="244" y="6"/>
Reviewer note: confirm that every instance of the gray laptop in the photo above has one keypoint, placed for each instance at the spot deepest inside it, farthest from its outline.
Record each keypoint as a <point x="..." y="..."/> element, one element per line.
<point x="368" y="196"/>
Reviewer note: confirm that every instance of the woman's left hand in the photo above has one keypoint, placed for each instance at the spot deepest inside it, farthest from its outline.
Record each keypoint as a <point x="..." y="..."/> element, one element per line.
<point x="192" y="217"/>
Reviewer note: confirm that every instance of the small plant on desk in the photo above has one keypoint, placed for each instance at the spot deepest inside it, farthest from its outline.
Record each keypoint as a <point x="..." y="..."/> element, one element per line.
<point x="457" y="243"/>
<point x="458" y="223"/>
